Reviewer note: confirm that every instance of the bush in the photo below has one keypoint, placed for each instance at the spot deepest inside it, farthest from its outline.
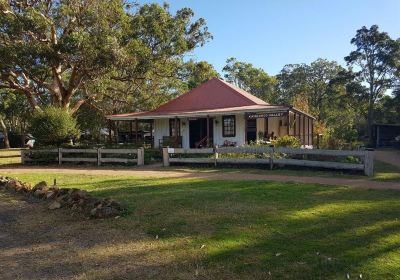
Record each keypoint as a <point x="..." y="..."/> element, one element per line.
<point x="287" y="141"/>
<point x="53" y="126"/>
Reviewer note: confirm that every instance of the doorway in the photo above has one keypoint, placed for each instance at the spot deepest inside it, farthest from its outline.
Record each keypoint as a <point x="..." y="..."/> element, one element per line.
<point x="198" y="132"/>
<point x="251" y="130"/>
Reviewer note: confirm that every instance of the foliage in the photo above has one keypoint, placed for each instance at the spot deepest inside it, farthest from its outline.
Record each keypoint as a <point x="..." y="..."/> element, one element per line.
<point x="254" y="80"/>
<point x="377" y="58"/>
<point x="70" y="52"/>
<point x="299" y="83"/>
<point x="196" y="73"/>
<point x="153" y="70"/>
<point x="53" y="126"/>
<point x="287" y="141"/>
<point x="387" y="110"/>
<point x="91" y="122"/>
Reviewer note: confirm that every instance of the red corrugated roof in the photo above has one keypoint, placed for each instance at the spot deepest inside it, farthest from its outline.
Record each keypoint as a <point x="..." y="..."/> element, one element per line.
<point x="214" y="95"/>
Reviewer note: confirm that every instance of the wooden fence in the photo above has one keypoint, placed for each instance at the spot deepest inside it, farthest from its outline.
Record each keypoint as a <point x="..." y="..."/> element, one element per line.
<point x="272" y="156"/>
<point x="96" y="156"/>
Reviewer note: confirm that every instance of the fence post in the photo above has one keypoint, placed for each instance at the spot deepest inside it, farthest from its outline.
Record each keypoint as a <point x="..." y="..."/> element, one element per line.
<point x="165" y="157"/>
<point x="369" y="163"/>
<point x="215" y="155"/>
<point x="59" y="156"/>
<point x="22" y="156"/>
<point x="98" y="156"/>
<point x="140" y="156"/>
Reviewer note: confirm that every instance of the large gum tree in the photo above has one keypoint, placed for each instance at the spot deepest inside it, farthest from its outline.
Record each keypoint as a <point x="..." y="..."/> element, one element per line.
<point x="53" y="52"/>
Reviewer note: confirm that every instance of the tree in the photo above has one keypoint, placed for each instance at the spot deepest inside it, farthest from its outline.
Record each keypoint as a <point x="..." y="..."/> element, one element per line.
<point x="387" y="110"/>
<point x="196" y="73"/>
<point x="311" y="83"/>
<point x="14" y="114"/>
<point x="376" y="60"/>
<point x="53" y="126"/>
<point x="151" y="73"/>
<point x="60" y="52"/>
<point x="51" y="48"/>
<point x="291" y="81"/>
<point x="254" y="80"/>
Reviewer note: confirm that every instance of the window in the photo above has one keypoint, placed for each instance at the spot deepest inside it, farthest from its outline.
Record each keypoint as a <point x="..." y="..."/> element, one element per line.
<point x="172" y="127"/>
<point x="228" y="126"/>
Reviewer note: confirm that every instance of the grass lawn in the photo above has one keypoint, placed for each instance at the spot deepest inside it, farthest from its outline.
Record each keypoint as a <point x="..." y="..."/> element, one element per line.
<point x="249" y="230"/>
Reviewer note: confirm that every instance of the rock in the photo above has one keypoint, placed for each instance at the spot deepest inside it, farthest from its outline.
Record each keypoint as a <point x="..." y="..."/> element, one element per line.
<point x="55" y="205"/>
<point x="50" y="194"/>
<point x="14" y="185"/>
<point x="112" y="203"/>
<point x="75" y="199"/>
<point x="104" y="212"/>
<point x="78" y="195"/>
<point x="39" y="186"/>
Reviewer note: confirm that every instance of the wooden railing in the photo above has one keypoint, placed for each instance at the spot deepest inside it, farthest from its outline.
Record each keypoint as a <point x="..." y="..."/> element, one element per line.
<point x="272" y="156"/>
<point x="96" y="156"/>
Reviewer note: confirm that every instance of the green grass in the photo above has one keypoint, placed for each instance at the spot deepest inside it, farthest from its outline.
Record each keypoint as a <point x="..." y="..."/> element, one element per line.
<point x="258" y="230"/>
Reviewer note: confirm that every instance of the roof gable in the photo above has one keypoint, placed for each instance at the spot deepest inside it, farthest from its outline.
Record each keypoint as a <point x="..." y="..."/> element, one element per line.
<point x="213" y="94"/>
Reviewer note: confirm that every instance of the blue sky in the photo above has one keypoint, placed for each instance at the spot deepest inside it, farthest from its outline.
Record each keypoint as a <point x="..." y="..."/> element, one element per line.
<point x="270" y="34"/>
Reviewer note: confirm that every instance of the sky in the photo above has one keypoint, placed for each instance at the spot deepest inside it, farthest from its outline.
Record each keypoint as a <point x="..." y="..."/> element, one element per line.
<point x="270" y="34"/>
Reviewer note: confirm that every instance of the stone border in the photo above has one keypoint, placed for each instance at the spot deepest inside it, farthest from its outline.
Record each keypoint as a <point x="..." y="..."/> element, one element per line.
<point x="72" y="198"/>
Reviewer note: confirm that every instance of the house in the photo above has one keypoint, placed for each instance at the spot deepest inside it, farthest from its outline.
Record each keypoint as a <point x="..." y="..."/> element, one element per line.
<point x="218" y="113"/>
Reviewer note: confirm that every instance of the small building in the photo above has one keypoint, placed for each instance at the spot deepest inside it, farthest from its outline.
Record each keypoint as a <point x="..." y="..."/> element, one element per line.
<point x="218" y="113"/>
<point x="386" y="135"/>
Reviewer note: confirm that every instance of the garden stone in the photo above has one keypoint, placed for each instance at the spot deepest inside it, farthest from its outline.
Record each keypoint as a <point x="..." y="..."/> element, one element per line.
<point x="54" y="205"/>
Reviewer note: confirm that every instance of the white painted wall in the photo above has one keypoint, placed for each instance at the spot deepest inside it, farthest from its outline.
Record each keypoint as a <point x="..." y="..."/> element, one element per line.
<point x="161" y="128"/>
<point x="240" y="128"/>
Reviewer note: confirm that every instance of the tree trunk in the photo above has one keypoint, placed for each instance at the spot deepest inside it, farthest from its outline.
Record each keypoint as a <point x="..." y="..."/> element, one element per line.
<point x="370" y="121"/>
<point x="5" y="133"/>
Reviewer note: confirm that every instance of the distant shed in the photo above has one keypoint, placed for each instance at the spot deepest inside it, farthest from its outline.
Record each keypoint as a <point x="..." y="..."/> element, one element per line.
<point x="384" y="135"/>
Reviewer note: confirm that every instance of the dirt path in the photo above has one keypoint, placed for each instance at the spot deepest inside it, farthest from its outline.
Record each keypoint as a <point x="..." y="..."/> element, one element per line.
<point x="159" y="172"/>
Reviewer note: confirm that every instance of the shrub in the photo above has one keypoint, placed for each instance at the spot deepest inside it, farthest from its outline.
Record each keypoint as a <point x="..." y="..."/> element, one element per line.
<point x="287" y="141"/>
<point x="53" y="126"/>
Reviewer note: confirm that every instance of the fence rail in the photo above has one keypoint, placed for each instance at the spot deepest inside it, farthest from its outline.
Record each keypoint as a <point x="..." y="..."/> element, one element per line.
<point x="272" y="156"/>
<point x="85" y="155"/>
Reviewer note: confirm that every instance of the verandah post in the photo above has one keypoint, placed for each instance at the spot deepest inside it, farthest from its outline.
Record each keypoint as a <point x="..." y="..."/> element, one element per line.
<point x="208" y="131"/>
<point x="288" y="123"/>
<point x="137" y="128"/>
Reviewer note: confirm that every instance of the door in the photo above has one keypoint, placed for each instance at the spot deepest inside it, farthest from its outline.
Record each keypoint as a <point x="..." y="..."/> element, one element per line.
<point x="251" y="130"/>
<point x="198" y="133"/>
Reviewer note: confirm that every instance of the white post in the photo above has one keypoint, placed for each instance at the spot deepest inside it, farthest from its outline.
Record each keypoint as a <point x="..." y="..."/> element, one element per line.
<point x="140" y="156"/>
<point x="165" y="157"/>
